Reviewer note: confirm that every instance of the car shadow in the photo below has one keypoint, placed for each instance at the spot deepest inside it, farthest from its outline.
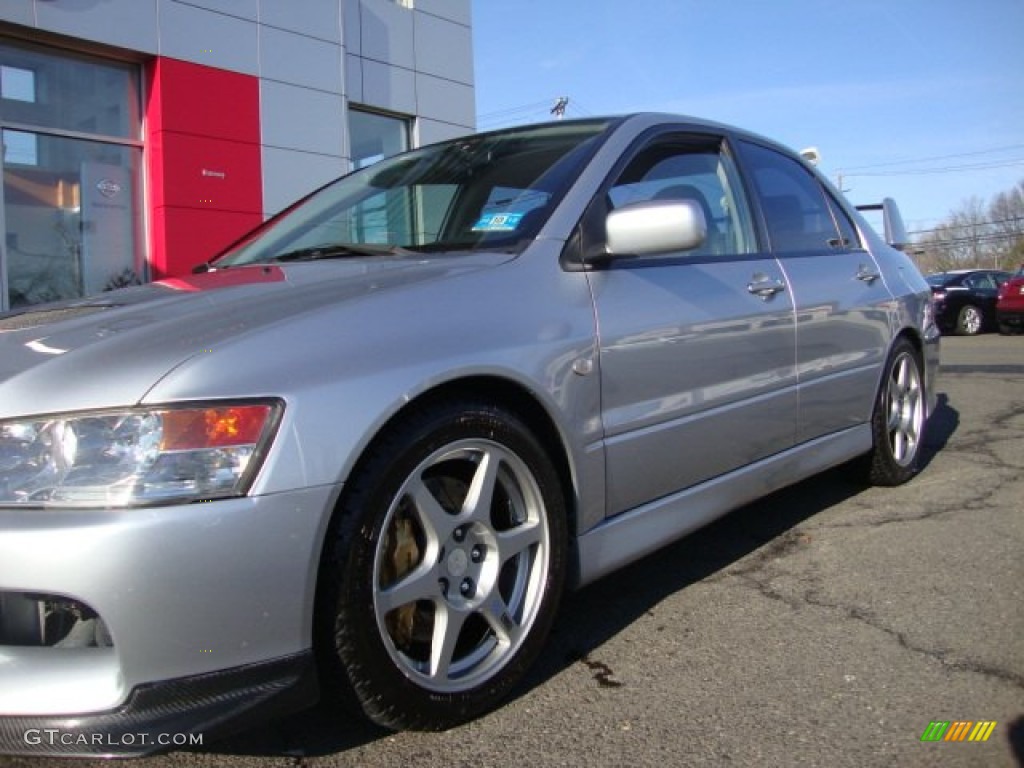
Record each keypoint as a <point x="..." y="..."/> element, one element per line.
<point x="942" y="425"/>
<point x="1015" y="735"/>
<point x="593" y="615"/>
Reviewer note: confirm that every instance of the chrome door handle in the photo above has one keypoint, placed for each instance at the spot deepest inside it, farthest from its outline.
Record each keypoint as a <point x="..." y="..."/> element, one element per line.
<point x="765" y="287"/>
<point x="866" y="275"/>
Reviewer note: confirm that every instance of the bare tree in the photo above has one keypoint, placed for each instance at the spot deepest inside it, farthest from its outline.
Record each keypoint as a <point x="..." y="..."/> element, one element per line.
<point x="977" y="235"/>
<point x="1007" y="216"/>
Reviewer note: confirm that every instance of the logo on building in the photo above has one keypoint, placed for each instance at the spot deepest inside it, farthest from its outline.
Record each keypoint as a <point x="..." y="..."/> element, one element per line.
<point x="958" y="730"/>
<point x="108" y="187"/>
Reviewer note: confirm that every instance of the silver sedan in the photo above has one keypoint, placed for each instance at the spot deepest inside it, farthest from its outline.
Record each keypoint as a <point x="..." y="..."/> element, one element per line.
<point x="364" y="452"/>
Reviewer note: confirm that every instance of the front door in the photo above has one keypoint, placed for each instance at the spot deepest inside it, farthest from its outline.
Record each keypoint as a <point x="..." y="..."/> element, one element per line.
<point x="696" y="348"/>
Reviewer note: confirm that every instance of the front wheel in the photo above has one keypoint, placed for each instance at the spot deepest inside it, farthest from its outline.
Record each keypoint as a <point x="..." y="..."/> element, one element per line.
<point x="446" y="565"/>
<point x="897" y="424"/>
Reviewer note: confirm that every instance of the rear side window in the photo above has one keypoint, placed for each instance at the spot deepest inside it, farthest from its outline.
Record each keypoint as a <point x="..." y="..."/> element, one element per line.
<point x="982" y="281"/>
<point x="847" y="231"/>
<point x="795" y="207"/>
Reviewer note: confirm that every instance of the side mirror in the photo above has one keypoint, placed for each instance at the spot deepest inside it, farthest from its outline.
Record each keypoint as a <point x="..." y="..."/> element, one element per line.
<point x="656" y="226"/>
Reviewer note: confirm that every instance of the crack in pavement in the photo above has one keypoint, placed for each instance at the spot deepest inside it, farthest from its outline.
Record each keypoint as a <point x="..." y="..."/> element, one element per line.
<point x="981" y="501"/>
<point x="756" y="575"/>
<point x="747" y="579"/>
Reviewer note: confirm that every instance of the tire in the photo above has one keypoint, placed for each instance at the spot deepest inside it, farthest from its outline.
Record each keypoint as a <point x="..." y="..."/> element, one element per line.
<point x="897" y="423"/>
<point x="445" y="567"/>
<point x="970" y="320"/>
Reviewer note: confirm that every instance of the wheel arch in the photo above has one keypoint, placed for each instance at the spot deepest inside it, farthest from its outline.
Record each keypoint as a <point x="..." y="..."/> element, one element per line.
<point x="917" y="342"/>
<point x="493" y="390"/>
<point x="484" y="389"/>
<point x="911" y="335"/>
<point x="513" y="396"/>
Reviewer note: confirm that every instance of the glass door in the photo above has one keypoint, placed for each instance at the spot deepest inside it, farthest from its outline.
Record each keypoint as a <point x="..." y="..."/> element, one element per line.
<point x="70" y="201"/>
<point x="70" y="209"/>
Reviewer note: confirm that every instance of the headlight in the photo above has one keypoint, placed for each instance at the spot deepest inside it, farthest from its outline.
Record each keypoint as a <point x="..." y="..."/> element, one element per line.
<point x="136" y="456"/>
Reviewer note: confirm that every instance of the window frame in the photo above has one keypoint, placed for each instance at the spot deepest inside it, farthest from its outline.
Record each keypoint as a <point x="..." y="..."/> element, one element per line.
<point x="830" y="205"/>
<point x="586" y="246"/>
<point x="48" y="129"/>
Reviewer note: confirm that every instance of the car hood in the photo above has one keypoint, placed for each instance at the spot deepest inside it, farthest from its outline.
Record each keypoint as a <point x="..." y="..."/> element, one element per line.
<point x="59" y="356"/>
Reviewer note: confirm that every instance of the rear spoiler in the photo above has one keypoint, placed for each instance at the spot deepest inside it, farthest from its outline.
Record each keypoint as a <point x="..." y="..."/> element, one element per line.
<point x="892" y="221"/>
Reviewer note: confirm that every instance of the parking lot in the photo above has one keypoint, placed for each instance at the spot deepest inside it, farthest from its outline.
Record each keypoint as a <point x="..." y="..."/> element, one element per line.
<point x="826" y="625"/>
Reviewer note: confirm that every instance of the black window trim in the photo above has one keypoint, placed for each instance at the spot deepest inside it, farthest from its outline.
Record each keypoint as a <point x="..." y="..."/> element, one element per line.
<point x="574" y="256"/>
<point x="828" y="196"/>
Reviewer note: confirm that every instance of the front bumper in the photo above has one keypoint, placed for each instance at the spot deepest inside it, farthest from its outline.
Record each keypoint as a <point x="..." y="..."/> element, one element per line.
<point x="193" y="599"/>
<point x="174" y="714"/>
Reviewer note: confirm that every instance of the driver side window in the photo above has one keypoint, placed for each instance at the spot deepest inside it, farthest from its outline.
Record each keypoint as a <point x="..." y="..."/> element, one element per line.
<point x="696" y="169"/>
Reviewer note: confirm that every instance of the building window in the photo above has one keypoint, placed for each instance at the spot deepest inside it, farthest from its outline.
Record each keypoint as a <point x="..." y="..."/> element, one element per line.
<point x="20" y="148"/>
<point x="17" y="84"/>
<point x="374" y="136"/>
<point x="72" y="175"/>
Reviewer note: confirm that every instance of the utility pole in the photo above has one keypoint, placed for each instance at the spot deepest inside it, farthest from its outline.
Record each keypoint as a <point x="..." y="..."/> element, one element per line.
<point x="559" y="109"/>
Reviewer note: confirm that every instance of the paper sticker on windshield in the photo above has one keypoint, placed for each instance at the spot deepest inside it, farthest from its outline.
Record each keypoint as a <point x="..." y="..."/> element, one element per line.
<point x="498" y="222"/>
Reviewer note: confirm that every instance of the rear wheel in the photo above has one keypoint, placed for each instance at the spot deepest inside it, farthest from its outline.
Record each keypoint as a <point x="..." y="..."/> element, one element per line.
<point x="970" y="320"/>
<point x="446" y="566"/>
<point x="897" y="424"/>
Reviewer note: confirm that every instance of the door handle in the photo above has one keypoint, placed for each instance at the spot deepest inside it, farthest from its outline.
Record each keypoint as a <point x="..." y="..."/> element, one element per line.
<point x="765" y="287"/>
<point x="866" y="275"/>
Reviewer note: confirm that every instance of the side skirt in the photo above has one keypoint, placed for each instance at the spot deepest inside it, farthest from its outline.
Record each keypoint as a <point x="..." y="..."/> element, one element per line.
<point x="627" y="537"/>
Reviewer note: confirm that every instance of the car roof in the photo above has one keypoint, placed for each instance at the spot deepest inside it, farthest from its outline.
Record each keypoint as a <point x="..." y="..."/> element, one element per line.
<point x="963" y="272"/>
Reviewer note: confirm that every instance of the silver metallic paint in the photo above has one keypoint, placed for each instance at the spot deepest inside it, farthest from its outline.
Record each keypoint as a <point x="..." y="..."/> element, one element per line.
<point x="627" y="363"/>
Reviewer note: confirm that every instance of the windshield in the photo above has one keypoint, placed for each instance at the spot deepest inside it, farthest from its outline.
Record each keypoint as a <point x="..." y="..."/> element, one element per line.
<point x="491" y="191"/>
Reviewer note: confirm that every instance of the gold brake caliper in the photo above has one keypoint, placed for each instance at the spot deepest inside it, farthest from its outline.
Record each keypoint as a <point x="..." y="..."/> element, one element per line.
<point x="401" y="555"/>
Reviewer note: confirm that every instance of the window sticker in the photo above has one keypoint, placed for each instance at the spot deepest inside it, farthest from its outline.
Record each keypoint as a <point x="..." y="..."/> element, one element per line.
<point x="498" y="222"/>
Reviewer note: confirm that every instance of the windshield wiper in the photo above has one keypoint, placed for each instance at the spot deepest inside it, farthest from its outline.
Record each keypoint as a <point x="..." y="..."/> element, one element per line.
<point x="339" y="251"/>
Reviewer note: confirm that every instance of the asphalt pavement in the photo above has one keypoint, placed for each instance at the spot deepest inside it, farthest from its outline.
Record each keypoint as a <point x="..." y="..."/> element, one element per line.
<point x="827" y="625"/>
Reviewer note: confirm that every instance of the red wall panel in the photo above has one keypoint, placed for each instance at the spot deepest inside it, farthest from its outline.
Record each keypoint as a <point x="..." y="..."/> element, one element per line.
<point x="192" y="98"/>
<point x="210" y="174"/>
<point x="194" y="236"/>
<point x="203" y="161"/>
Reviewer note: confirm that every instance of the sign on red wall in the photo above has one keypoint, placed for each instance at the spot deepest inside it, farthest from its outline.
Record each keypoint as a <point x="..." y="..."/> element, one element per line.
<point x="203" y="162"/>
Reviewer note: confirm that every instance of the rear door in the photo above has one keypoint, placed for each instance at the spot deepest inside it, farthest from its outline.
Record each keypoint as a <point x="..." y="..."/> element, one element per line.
<point x="842" y="303"/>
<point x="984" y="287"/>
<point x="696" y="347"/>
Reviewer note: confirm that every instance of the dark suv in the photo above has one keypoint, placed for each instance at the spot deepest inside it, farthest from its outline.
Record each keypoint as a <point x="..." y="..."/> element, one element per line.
<point x="965" y="300"/>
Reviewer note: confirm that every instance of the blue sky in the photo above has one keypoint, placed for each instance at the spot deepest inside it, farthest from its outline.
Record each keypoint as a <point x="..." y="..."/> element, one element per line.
<point x="898" y="95"/>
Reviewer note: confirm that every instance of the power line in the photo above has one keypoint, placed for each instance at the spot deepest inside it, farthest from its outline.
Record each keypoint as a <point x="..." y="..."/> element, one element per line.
<point x="990" y="223"/>
<point x="538" y="110"/>
<point x="501" y="112"/>
<point x="989" y="239"/>
<point x="947" y="169"/>
<point x="937" y="158"/>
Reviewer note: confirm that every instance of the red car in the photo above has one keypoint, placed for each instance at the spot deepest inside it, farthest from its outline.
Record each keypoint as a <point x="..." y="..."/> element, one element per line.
<point x="1010" y="303"/>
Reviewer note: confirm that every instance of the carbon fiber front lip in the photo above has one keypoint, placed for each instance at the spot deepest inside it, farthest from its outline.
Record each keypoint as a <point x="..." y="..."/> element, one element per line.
<point x="157" y="714"/>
